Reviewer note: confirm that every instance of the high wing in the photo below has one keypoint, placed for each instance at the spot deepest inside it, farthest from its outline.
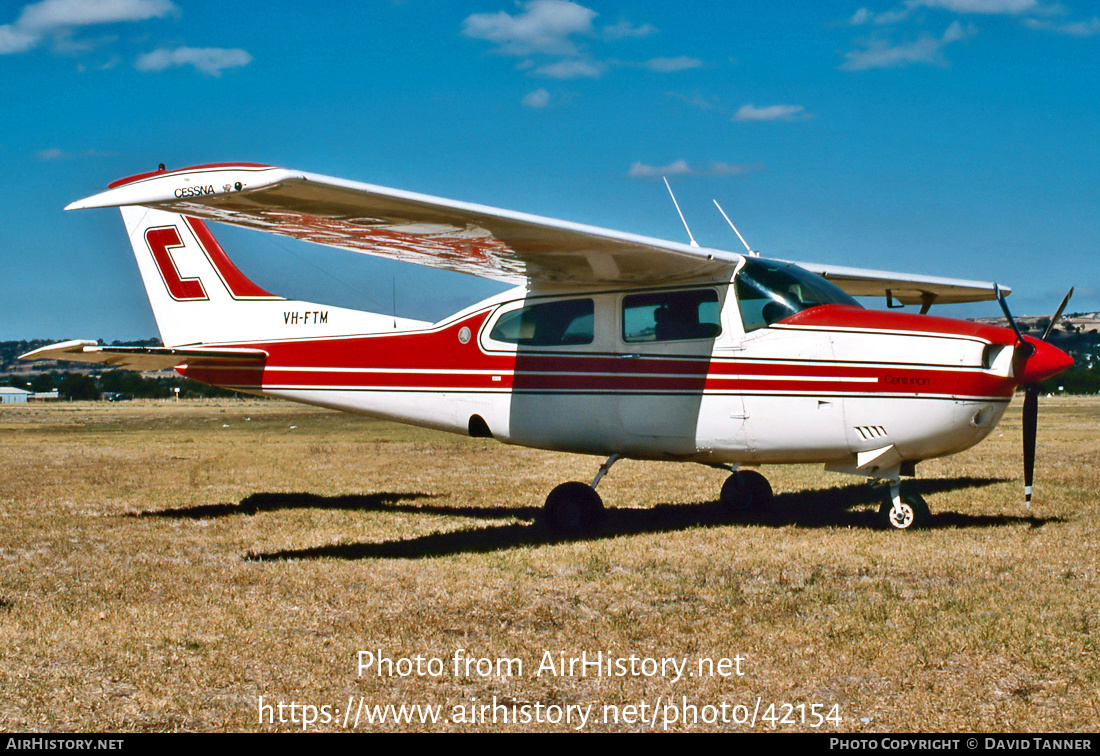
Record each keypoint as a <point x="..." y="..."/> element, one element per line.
<point x="459" y="236"/>
<point x="146" y="358"/>
<point x="464" y="237"/>
<point x="903" y="288"/>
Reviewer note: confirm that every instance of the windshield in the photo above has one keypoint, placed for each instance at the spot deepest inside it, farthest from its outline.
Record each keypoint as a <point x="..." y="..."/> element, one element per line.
<point x="768" y="292"/>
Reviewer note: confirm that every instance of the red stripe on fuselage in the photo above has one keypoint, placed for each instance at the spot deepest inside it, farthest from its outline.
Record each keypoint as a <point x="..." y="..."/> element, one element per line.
<point x="439" y="361"/>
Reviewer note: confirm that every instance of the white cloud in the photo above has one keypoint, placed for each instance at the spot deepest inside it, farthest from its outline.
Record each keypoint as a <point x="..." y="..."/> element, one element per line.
<point x="880" y="53"/>
<point x="954" y="33"/>
<point x="58" y="19"/>
<point x="1076" y="29"/>
<point x="696" y="100"/>
<point x="56" y="153"/>
<point x="728" y="169"/>
<point x="963" y="7"/>
<point x="681" y="168"/>
<point x="540" y="98"/>
<point x="771" y="113"/>
<point x="668" y="65"/>
<point x="675" y="168"/>
<point x="209" y="60"/>
<point x="16" y="40"/>
<point x="625" y="29"/>
<point x="543" y="26"/>
<point x="987" y="7"/>
<point x="572" y="68"/>
<point x="860" y="17"/>
<point x="557" y="39"/>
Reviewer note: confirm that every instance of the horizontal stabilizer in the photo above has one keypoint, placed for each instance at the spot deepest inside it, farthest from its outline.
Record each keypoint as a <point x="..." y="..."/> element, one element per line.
<point x="145" y="358"/>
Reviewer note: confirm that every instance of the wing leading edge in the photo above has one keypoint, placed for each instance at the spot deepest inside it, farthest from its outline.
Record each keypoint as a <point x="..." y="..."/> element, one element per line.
<point x="464" y="237"/>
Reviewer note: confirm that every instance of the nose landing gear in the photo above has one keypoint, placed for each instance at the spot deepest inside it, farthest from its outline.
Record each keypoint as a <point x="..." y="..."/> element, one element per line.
<point x="903" y="511"/>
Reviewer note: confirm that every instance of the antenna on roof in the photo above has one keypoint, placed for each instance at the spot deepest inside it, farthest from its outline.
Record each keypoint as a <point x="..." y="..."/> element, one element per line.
<point x="677" y="204"/>
<point x="747" y="247"/>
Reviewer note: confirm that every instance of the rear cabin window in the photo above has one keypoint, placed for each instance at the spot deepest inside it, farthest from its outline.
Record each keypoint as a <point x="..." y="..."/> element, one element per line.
<point x="549" y="324"/>
<point x="671" y="316"/>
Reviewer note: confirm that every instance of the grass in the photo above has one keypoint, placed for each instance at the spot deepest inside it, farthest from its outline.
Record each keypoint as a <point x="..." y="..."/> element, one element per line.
<point x="163" y="566"/>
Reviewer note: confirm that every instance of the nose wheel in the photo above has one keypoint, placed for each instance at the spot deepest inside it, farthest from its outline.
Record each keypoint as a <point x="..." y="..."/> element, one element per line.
<point x="904" y="512"/>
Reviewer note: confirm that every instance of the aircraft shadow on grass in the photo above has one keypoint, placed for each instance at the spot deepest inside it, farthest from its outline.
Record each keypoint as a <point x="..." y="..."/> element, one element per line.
<point x="852" y="506"/>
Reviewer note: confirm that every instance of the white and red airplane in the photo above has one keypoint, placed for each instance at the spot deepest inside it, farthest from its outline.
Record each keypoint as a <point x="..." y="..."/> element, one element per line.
<point x="610" y="344"/>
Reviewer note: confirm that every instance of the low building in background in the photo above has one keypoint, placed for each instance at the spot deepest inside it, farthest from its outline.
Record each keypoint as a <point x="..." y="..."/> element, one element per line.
<point x="12" y="395"/>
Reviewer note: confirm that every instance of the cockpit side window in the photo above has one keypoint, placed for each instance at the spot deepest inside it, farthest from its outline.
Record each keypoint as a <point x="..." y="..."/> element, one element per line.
<point x="671" y="316"/>
<point x="768" y="292"/>
<point x="549" y="324"/>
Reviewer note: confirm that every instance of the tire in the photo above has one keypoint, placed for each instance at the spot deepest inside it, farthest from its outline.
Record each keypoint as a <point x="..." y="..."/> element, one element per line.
<point x="746" y="491"/>
<point x="913" y="515"/>
<point x="573" y="508"/>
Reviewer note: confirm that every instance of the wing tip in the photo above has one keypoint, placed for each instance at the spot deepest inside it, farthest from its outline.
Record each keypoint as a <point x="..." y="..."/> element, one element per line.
<point x="161" y="186"/>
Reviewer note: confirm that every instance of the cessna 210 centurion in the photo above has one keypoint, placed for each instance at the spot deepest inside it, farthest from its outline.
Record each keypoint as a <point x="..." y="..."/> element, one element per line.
<point x="610" y="344"/>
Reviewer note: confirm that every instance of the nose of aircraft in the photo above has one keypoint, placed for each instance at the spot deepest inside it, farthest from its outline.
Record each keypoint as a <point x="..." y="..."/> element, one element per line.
<point x="1045" y="362"/>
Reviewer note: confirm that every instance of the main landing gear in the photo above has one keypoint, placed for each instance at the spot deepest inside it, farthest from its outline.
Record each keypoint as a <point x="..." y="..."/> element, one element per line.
<point x="746" y="491"/>
<point x="575" y="508"/>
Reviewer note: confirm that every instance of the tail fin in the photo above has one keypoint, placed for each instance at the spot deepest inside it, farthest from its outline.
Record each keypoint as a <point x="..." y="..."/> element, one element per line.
<point x="199" y="296"/>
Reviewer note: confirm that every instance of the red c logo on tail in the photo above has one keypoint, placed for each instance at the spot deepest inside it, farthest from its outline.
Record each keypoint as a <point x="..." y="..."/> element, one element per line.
<point x="159" y="241"/>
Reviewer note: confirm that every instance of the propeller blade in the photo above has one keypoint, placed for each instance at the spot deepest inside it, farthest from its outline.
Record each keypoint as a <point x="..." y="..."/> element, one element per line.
<point x="1048" y="360"/>
<point x="1030" y="420"/>
<point x="1022" y="346"/>
<point x="1058" y="314"/>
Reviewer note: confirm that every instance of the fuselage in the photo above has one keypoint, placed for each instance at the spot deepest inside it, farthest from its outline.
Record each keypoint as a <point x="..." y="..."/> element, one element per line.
<point x="718" y="371"/>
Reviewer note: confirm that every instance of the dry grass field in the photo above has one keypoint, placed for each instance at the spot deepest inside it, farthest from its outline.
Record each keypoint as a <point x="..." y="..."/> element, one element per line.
<point x="182" y="566"/>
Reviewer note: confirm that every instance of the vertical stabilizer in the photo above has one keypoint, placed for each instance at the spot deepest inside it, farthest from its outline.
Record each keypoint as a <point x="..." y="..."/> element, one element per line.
<point x="199" y="296"/>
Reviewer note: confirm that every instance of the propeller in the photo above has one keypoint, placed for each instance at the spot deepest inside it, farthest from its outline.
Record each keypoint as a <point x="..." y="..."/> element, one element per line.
<point x="1034" y="361"/>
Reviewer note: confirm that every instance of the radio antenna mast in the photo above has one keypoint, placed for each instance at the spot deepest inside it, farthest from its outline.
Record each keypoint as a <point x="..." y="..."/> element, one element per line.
<point x="723" y="212"/>
<point x="677" y="204"/>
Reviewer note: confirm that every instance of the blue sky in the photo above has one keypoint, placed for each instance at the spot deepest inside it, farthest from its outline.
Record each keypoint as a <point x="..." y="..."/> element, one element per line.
<point x="949" y="137"/>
